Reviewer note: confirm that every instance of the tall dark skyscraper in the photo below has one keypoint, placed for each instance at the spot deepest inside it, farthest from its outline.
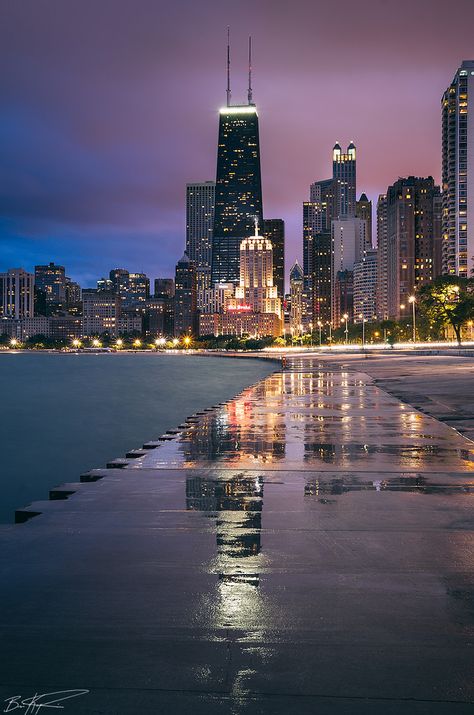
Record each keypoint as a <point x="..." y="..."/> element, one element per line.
<point x="274" y="230"/>
<point x="238" y="199"/>
<point x="344" y="174"/>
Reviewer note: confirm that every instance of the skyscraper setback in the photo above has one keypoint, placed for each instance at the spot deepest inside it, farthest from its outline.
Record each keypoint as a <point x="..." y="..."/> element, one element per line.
<point x="238" y="201"/>
<point x="458" y="173"/>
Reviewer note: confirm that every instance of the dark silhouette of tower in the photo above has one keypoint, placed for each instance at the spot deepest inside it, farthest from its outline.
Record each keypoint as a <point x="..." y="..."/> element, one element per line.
<point x="238" y="198"/>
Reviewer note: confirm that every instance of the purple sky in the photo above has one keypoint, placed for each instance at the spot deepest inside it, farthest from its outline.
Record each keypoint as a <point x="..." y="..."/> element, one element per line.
<point x="110" y="106"/>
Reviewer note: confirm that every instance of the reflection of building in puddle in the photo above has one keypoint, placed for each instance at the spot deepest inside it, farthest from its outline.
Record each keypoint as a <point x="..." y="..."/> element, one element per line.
<point x="406" y="455"/>
<point x="236" y="505"/>
<point x="410" y="483"/>
<point x="236" y="432"/>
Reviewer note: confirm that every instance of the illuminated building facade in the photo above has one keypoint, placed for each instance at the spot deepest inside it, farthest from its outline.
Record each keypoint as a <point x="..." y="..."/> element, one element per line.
<point x="344" y="176"/>
<point x="17" y="288"/>
<point x="238" y="193"/>
<point x="458" y="173"/>
<point x="382" y="259"/>
<point x="296" y="299"/>
<point x="185" y="298"/>
<point x="413" y="229"/>
<point x="200" y="198"/>
<point x="101" y="312"/>
<point x="365" y="286"/>
<point x="274" y="231"/>
<point x="364" y="211"/>
<point x="256" y="287"/>
<point x="51" y="281"/>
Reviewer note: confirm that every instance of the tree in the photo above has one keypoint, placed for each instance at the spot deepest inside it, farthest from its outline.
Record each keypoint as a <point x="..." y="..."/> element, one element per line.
<point x="448" y="300"/>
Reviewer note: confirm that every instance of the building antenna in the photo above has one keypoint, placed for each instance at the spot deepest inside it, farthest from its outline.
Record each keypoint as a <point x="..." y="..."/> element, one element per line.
<point x="228" y="66"/>
<point x="250" y="71"/>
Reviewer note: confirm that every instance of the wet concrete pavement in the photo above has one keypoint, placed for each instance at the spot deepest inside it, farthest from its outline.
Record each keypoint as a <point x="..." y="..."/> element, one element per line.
<point x="305" y="548"/>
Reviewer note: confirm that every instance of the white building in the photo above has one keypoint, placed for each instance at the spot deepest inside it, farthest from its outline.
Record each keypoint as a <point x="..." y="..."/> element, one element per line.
<point x="17" y="294"/>
<point x="365" y="287"/>
<point x="256" y="288"/>
<point x="458" y="172"/>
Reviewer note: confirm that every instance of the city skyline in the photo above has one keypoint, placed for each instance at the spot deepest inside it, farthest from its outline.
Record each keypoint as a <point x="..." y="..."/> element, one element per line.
<point x="90" y="181"/>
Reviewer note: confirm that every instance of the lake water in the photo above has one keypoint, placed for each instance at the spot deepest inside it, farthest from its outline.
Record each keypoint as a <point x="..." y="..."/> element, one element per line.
<point x="63" y="414"/>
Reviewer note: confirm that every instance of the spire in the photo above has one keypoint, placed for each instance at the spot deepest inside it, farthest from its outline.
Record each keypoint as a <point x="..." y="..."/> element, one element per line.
<point x="250" y="71"/>
<point x="228" y="66"/>
<point x="256" y="227"/>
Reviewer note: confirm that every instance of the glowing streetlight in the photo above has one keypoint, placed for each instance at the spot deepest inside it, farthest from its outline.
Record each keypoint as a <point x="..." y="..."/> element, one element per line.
<point x="137" y="343"/>
<point x="345" y="317"/>
<point x="187" y="341"/>
<point x="76" y="343"/>
<point x="13" y="343"/>
<point x="175" y="342"/>
<point x="412" y="300"/>
<point x="96" y="343"/>
<point x="119" y="343"/>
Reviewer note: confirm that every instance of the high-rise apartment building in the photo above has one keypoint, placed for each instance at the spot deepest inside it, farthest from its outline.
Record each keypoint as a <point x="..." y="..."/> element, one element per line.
<point x="51" y="281"/>
<point x="364" y="211"/>
<point x="382" y="259"/>
<point x="413" y="230"/>
<point x="238" y="199"/>
<point x="138" y="289"/>
<point x="256" y="290"/>
<point x="458" y="173"/>
<point x="365" y="287"/>
<point x="274" y="231"/>
<point x="17" y="288"/>
<point x="200" y="198"/>
<point x="185" y="298"/>
<point x="344" y="176"/>
<point x="73" y="293"/>
<point x="120" y="280"/>
<point x="296" y="293"/>
<point x="321" y="278"/>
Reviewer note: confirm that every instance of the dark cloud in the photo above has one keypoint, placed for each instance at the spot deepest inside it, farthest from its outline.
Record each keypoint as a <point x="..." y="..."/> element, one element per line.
<point x="109" y="107"/>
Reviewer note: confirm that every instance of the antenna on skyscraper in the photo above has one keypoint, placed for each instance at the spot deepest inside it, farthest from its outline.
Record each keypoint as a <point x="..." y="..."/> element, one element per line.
<point x="228" y="66"/>
<point x="250" y="70"/>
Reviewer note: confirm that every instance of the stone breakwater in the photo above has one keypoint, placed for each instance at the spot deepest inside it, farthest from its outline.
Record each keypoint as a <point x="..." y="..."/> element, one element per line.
<point x="303" y="547"/>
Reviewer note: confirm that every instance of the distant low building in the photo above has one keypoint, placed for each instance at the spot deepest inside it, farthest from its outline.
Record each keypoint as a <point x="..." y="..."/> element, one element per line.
<point x="101" y="312"/>
<point x="66" y="327"/>
<point x="240" y="322"/>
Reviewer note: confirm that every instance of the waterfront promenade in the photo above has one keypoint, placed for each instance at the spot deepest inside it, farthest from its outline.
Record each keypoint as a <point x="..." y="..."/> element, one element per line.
<point x="306" y="547"/>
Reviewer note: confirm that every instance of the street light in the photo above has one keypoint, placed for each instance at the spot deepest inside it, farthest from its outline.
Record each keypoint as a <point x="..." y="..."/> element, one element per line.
<point x="96" y="343"/>
<point x="119" y="343"/>
<point x="187" y="341"/>
<point x="345" y="317"/>
<point x="361" y="316"/>
<point x="76" y="343"/>
<point x="13" y="342"/>
<point x="320" y="325"/>
<point x="412" y="300"/>
<point x="330" y="331"/>
<point x="137" y="343"/>
<point x="175" y="342"/>
<point x="311" y="334"/>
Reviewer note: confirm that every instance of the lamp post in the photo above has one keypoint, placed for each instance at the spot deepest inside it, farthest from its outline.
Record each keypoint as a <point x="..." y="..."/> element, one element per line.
<point x="320" y="325"/>
<point x="346" y="317"/>
<point x="311" y="334"/>
<point x="412" y="300"/>
<point x="330" y="332"/>
<point x="361" y="316"/>
<point x="301" y="334"/>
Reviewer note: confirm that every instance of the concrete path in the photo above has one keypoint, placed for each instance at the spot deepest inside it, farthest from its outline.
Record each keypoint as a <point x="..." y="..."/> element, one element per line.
<point x="305" y="548"/>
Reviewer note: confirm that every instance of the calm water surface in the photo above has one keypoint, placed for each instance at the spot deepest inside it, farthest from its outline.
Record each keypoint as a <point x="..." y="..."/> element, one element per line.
<point x="62" y="414"/>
